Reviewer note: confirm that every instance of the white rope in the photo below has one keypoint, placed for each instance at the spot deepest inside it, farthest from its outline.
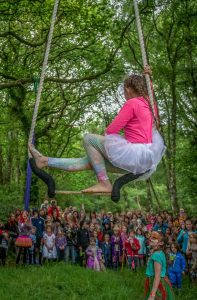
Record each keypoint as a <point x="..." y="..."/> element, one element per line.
<point x="42" y="76"/>
<point x="143" y="52"/>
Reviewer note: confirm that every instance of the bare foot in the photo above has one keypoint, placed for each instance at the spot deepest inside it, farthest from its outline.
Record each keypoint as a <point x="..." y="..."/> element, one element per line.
<point x="100" y="187"/>
<point x="41" y="160"/>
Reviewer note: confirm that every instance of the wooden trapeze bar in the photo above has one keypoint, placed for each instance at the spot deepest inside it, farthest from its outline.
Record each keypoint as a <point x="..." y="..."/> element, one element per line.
<point x="81" y="193"/>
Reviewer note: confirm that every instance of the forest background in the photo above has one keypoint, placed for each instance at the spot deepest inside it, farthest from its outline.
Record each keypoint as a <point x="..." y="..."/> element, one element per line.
<point x="95" y="45"/>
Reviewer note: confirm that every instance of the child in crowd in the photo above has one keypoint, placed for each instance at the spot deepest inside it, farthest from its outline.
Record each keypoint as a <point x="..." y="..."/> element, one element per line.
<point x="124" y="235"/>
<point x="4" y="240"/>
<point x="94" y="256"/>
<point x="99" y="234"/>
<point x="91" y="230"/>
<point x="83" y="239"/>
<point x="132" y="247"/>
<point x="177" y="266"/>
<point x="149" y="226"/>
<point x="23" y="241"/>
<point x="95" y="236"/>
<point x="183" y="236"/>
<point x="147" y="244"/>
<point x="61" y="244"/>
<point x="116" y="242"/>
<point x="107" y="251"/>
<point x="12" y="227"/>
<point x="192" y="256"/>
<point x="71" y="236"/>
<point x="32" y="249"/>
<point x="157" y="285"/>
<point x="142" y="251"/>
<point x="107" y="227"/>
<point x="49" y="249"/>
<point x="38" y="222"/>
<point x="160" y="225"/>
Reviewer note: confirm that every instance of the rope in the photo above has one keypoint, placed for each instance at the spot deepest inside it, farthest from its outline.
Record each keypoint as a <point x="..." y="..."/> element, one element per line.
<point x="143" y="52"/>
<point x="42" y="76"/>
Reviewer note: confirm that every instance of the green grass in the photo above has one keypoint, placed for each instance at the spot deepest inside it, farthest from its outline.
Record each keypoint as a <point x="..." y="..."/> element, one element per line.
<point x="60" y="281"/>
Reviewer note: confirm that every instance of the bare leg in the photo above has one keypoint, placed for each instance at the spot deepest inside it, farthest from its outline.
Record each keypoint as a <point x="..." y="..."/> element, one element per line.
<point x="41" y="160"/>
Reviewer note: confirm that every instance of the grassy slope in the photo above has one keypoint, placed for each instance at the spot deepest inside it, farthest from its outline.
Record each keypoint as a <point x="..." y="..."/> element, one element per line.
<point x="71" y="282"/>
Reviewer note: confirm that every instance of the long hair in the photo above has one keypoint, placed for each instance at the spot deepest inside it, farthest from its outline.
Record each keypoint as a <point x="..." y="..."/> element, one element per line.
<point x="138" y="84"/>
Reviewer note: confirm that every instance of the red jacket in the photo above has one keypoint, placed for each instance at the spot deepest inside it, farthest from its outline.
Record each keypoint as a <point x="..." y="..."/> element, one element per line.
<point x="132" y="246"/>
<point x="100" y="236"/>
<point x="51" y="209"/>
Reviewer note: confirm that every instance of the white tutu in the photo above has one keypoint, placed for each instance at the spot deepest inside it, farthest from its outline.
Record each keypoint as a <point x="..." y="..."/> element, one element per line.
<point x="135" y="158"/>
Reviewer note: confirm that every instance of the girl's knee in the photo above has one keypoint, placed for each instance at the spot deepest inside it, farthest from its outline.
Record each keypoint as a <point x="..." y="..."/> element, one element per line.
<point x="88" y="138"/>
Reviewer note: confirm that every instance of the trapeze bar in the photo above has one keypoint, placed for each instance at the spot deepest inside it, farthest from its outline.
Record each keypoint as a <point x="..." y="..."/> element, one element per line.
<point x="81" y="193"/>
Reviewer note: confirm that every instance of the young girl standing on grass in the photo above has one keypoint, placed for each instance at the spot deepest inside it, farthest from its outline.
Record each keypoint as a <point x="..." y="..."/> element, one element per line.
<point x="142" y="251"/>
<point x="94" y="257"/>
<point x="49" y="249"/>
<point x="132" y="247"/>
<point x="157" y="285"/>
<point x="177" y="266"/>
<point x="61" y="243"/>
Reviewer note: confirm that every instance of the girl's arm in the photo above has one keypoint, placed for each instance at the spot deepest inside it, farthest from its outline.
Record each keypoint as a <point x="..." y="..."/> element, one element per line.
<point x="120" y="121"/>
<point x="180" y="236"/>
<point x="156" y="281"/>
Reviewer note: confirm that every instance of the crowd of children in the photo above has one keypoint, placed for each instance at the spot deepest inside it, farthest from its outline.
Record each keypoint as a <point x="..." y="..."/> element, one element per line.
<point x="101" y="240"/>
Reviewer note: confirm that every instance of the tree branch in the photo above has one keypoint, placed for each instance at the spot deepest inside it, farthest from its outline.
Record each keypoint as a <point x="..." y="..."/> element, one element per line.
<point x="22" y="40"/>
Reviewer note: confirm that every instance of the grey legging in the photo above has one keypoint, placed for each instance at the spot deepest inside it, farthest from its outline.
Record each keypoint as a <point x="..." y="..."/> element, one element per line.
<point x="96" y="159"/>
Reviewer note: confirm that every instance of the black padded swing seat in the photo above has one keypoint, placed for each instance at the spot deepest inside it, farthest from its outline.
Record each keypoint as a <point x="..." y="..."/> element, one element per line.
<point x="49" y="181"/>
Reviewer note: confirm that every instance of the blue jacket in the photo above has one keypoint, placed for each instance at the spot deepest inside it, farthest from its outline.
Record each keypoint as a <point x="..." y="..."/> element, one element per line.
<point x="39" y="224"/>
<point x="183" y="238"/>
<point x="179" y="263"/>
<point x="160" y="227"/>
<point x="141" y="240"/>
<point x="107" y="250"/>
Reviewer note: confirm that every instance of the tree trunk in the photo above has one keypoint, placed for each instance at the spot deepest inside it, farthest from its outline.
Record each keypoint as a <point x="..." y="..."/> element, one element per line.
<point x="10" y="154"/>
<point x="137" y="199"/>
<point x="149" y="195"/>
<point x="172" y="161"/>
<point x="1" y="166"/>
<point x="155" y="195"/>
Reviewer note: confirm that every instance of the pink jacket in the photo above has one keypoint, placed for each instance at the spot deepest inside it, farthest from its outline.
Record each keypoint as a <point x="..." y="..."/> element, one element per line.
<point x="135" y="118"/>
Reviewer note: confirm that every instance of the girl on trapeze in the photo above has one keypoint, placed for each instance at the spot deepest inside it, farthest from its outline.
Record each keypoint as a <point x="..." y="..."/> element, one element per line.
<point x="138" y="151"/>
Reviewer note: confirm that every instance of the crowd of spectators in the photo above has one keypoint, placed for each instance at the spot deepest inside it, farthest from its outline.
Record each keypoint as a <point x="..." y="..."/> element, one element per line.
<point x="99" y="240"/>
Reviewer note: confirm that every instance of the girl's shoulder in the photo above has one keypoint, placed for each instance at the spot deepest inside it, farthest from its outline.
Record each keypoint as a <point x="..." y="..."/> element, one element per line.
<point x="158" y="256"/>
<point x="136" y="101"/>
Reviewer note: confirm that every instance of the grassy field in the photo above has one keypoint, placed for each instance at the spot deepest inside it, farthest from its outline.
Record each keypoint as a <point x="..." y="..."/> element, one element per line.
<point x="60" y="281"/>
